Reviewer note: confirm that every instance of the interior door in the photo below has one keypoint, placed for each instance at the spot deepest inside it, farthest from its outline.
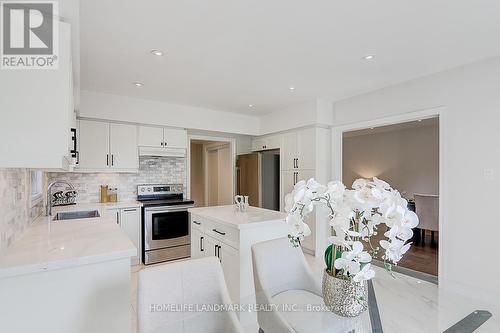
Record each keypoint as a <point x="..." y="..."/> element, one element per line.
<point x="249" y="177"/>
<point x="213" y="177"/>
<point x="123" y="143"/>
<point x="94" y="145"/>
<point x="289" y="153"/>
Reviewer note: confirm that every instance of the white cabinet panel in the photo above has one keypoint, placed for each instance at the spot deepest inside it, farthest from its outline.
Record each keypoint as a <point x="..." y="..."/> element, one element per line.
<point x="258" y="144"/>
<point x="130" y="222"/>
<point x="150" y="136"/>
<point x="287" y="184"/>
<point x="197" y="243"/>
<point x="306" y="149"/>
<point x="289" y="151"/>
<point x="305" y="175"/>
<point x="175" y="138"/>
<point x="123" y="146"/>
<point x="230" y="261"/>
<point x="94" y="145"/>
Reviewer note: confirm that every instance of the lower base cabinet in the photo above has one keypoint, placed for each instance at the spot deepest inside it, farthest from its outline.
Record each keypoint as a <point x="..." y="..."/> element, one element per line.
<point x="232" y="245"/>
<point x="129" y="219"/>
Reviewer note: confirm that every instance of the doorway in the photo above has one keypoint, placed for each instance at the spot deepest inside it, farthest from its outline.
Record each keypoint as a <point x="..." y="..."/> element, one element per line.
<point x="406" y="155"/>
<point x="211" y="172"/>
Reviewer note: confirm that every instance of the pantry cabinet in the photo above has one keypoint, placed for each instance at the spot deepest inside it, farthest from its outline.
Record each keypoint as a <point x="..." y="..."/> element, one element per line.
<point x="299" y="150"/>
<point x="107" y="147"/>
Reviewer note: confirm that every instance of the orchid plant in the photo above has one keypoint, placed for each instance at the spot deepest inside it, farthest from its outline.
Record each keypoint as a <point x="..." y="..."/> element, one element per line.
<point x="354" y="217"/>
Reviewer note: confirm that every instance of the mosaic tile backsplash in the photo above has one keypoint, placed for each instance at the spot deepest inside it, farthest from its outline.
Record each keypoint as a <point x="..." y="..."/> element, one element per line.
<point x="15" y="205"/>
<point x="152" y="170"/>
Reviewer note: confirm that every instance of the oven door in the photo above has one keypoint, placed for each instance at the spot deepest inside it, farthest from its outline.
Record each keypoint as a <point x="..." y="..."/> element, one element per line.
<point x="166" y="227"/>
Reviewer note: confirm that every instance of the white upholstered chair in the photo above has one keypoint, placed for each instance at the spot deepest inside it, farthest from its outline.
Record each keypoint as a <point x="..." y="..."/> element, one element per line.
<point x="427" y="209"/>
<point x="192" y="282"/>
<point x="283" y="277"/>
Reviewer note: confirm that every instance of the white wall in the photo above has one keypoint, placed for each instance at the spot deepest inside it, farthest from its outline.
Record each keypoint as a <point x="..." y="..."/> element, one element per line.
<point x="471" y="96"/>
<point x="406" y="158"/>
<point x="317" y="112"/>
<point x="122" y="108"/>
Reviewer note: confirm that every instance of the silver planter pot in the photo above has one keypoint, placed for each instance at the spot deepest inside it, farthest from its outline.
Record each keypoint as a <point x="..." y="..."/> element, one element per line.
<point x="344" y="297"/>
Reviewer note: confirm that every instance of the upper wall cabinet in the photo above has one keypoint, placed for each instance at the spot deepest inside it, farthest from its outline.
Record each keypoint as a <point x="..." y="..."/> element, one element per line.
<point x="159" y="137"/>
<point x="266" y="143"/>
<point x="37" y="113"/>
<point x="107" y="147"/>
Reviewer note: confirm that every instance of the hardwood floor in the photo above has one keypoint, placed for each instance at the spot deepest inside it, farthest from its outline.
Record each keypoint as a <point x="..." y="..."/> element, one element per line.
<point x="420" y="257"/>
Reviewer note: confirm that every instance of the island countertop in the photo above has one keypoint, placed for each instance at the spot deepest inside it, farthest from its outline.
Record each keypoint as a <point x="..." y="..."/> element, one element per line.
<point x="231" y="216"/>
<point x="49" y="245"/>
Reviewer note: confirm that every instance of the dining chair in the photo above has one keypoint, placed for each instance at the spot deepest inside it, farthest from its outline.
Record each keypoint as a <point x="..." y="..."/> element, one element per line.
<point x="427" y="209"/>
<point x="282" y="277"/>
<point x="177" y="297"/>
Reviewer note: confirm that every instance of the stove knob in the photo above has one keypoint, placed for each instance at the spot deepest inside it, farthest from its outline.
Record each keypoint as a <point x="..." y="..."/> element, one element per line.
<point x="149" y="189"/>
<point x="143" y="189"/>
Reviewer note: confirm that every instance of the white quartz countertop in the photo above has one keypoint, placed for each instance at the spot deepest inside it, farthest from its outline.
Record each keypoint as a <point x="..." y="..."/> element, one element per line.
<point x="231" y="216"/>
<point x="49" y="245"/>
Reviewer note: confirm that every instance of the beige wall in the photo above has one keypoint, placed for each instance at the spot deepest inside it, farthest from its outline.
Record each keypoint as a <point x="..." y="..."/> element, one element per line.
<point x="197" y="175"/>
<point x="406" y="158"/>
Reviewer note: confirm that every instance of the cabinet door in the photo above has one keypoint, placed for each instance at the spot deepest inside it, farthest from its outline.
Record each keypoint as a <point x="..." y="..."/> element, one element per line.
<point x="273" y="142"/>
<point x="289" y="151"/>
<point x="287" y="184"/>
<point x="116" y="214"/>
<point x="123" y="143"/>
<point x="306" y="149"/>
<point x="258" y="144"/>
<point x="175" y="138"/>
<point x="130" y="222"/>
<point x="229" y="258"/>
<point x="94" y="145"/>
<point x="150" y="136"/>
<point x="305" y="175"/>
<point x="197" y="244"/>
<point x="210" y="247"/>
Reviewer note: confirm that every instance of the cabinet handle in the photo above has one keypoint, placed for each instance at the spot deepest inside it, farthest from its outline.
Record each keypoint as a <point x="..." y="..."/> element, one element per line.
<point x="107" y="159"/>
<point x="201" y="244"/>
<point x="165" y="144"/>
<point x="297" y="163"/>
<point x="219" y="232"/>
<point x="197" y="223"/>
<point x="162" y="143"/>
<point x="215" y="250"/>
<point x="77" y="157"/>
<point x="112" y="159"/>
<point x="130" y="210"/>
<point x="118" y="218"/>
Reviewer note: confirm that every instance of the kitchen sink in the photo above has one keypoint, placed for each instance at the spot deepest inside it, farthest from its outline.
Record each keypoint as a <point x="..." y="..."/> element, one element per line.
<point x="88" y="214"/>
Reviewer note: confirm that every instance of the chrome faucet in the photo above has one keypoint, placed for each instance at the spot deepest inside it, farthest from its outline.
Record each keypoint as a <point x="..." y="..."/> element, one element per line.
<point x="49" y="190"/>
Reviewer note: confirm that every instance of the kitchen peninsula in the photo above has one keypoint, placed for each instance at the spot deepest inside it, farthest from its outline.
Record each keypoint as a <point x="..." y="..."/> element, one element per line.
<point x="228" y="234"/>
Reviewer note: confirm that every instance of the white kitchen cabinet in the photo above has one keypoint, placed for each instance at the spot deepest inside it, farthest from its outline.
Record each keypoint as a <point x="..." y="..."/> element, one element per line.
<point x="288" y="180"/>
<point x="129" y="220"/>
<point x="266" y="143"/>
<point x="36" y="113"/>
<point x="289" y="151"/>
<point x="105" y="147"/>
<point x="306" y="148"/>
<point x="123" y="146"/>
<point x="94" y="145"/>
<point x="229" y="235"/>
<point x="150" y="136"/>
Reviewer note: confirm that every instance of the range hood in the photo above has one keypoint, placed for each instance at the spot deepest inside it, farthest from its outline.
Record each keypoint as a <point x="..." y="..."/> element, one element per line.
<point x="162" y="152"/>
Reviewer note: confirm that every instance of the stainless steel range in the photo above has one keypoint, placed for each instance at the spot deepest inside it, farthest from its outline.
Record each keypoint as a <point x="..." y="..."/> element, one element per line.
<point x="166" y="231"/>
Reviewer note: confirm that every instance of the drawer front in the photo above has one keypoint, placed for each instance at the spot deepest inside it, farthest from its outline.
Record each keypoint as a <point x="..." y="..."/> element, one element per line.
<point x="219" y="231"/>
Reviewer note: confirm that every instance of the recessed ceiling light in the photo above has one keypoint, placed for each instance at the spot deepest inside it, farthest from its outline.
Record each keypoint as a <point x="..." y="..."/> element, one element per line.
<point x="138" y="84"/>
<point x="292" y="88"/>
<point x="250" y="105"/>
<point x="157" y="52"/>
<point x="369" y="57"/>
<point x="372" y="128"/>
<point x="420" y="120"/>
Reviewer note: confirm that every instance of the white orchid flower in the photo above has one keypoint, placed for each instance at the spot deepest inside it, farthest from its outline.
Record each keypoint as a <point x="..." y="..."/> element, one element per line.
<point x="365" y="274"/>
<point x="394" y="250"/>
<point x="410" y="220"/>
<point x="338" y="240"/>
<point x="400" y="232"/>
<point x="348" y="266"/>
<point x="381" y="184"/>
<point x="358" y="254"/>
<point x="359" y="184"/>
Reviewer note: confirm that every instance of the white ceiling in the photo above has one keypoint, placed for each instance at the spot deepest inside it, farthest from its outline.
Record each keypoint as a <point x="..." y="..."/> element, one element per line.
<point x="226" y="54"/>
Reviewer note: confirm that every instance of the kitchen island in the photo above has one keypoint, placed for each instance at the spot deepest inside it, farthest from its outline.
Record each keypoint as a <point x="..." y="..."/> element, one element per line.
<point x="228" y="234"/>
<point x="68" y="276"/>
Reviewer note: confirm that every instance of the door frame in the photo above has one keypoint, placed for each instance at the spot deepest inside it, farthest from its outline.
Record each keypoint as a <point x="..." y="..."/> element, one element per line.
<point x="232" y="148"/>
<point x="337" y="163"/>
